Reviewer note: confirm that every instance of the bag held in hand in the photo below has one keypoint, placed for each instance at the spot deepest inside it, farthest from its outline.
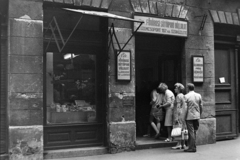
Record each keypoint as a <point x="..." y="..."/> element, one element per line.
<point x="176" y="131"/>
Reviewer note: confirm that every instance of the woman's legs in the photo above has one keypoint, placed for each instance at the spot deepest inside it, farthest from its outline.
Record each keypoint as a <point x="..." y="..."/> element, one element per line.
<point x="154" y="125"/>
<point x="169" y="130"/>
<point x="158" y="126"/>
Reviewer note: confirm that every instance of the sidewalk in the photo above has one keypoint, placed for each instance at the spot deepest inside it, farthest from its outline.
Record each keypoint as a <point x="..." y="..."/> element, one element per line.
<point x="222" y="150"/>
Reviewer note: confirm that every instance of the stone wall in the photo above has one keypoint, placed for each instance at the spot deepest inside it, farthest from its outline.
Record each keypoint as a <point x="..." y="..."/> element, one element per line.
<point x="121" y="119"/>
<point x="26" y="73"/>
<point x="201" y="43"/>
<point x="25" y="80"/>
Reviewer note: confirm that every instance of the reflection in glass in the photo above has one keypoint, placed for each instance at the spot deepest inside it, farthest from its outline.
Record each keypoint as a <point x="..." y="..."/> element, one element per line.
<point x="70" y="80"/>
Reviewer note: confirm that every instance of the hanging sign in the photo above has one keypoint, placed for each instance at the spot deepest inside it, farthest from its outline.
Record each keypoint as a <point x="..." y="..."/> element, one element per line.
<point x="162" y="26"/>
<point x="198" y="69"/>
<point x="124" y="66"/>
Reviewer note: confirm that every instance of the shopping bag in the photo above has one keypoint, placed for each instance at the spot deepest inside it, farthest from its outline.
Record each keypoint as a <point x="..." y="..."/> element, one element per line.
<point x="176" y="131"/>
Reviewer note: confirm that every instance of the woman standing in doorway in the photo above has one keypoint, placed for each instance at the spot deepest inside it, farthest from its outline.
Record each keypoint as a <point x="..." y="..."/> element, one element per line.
<point x="168" y="102"/>
<point x="156" y="111"/>
<point x="179" y="111"/>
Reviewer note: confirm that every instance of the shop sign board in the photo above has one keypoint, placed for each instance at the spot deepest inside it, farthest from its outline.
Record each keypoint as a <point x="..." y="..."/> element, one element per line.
<point x="124" y="66"/>
<point x="198" y="73"/>
<point x="162" y="26"/>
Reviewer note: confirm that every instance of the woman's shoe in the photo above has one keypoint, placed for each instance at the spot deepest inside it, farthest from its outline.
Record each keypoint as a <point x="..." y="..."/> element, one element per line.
<point x="167" y="140"/>
<point x="184" y="147"/>
<point x="177" y="147"/>
<point x="146" y="135"/>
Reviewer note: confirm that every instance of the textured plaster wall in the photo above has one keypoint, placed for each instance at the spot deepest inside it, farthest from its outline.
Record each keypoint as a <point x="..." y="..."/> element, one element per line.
<point x="202" y="44"/>
<point x="121" y="119"/>
<point x="25" y="80"/>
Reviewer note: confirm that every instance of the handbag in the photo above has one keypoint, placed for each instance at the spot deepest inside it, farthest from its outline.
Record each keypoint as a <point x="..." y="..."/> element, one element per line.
<point x="158" y="114"/>
<point x="177" y="130"/>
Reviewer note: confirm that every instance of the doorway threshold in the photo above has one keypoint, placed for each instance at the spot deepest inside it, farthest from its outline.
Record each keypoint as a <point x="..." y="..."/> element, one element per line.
<point x="150" y="142"/>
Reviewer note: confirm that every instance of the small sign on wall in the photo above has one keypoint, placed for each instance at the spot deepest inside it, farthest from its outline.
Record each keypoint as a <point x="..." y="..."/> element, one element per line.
<point x="124" y="66"/>
<point x="198" y="68"/>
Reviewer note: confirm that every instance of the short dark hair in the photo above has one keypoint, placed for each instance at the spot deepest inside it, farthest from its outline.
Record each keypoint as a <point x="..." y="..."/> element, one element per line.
<point x="190" y="86"/>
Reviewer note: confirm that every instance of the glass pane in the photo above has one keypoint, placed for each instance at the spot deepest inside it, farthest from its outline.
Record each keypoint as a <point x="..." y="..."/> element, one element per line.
<point x="71" y="89"/>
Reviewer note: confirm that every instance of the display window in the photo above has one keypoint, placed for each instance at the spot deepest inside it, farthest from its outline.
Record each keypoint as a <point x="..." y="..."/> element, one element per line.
<point x="71" y="88"/>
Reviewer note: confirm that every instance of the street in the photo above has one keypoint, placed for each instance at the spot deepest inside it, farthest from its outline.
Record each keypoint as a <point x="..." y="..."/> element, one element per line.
<point x="222" y="150"/>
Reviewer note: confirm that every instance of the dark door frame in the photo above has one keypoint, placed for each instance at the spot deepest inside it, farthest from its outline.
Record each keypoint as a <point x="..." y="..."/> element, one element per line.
<point x="236" y="49"/>
<point x="4" y="90"/>
<point x="225" y="34"/>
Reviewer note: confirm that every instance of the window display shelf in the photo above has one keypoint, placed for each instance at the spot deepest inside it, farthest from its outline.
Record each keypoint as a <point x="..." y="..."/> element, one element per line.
<point x="72" y="117"/>
<point x="69" y="117"/>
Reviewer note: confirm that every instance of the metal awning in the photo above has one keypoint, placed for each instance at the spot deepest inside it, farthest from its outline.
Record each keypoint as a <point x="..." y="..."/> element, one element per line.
<point x="102" y="14"/>
<point x="112" y="29"/>
<point x="53" y="25"/>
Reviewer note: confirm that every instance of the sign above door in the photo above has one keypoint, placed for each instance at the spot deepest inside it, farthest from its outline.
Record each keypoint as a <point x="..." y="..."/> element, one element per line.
<point x="162" y="26"/>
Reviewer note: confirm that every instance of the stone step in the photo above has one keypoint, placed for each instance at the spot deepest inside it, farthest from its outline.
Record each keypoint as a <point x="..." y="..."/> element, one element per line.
<point x="74" y="152"/>
<point x="148" y="143"/>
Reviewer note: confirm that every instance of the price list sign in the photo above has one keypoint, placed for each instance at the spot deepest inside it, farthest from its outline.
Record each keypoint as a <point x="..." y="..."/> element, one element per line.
<point x="198" y="69"/>
<point x="124" y="66"/>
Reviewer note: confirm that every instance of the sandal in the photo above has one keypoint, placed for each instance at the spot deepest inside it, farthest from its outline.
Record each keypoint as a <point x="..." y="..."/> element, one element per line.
<point x="177" y="147"/>
<point x="167" y="140"/>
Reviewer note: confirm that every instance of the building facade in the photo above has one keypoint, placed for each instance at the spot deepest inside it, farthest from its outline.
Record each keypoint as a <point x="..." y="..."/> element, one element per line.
<point x="77" y="74"/>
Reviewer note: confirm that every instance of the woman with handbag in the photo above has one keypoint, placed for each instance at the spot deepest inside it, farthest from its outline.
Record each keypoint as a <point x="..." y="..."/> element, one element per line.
<point x="179" y="111"/>
<point x="168" y="101"/>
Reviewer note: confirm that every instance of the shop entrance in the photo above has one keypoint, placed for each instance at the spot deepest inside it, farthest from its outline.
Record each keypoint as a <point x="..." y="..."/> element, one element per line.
<point x="158" y="59"/>
<point x="75" y="79"/>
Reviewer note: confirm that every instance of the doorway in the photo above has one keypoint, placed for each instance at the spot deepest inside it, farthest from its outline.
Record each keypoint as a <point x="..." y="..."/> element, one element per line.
<point x="158" y="59"/>
<point x="226" y="91"/>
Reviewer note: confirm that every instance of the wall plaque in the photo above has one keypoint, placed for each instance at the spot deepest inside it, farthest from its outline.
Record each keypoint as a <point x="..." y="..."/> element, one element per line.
<point x="198" y="69"/>
<point x="128" y="101"/>
<point x="124" y="66"/>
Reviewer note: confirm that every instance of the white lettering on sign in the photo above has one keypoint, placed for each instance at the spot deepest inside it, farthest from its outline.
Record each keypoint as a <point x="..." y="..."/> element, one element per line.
<point x="162" y="26"/>
<point x="124" y="66"/>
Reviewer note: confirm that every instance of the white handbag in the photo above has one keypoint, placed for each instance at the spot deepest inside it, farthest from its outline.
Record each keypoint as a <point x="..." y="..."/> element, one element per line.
<point x="176" y="131"/>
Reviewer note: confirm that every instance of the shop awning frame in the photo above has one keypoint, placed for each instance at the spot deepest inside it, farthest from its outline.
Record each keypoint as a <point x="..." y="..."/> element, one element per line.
<point x="53" y="26"/>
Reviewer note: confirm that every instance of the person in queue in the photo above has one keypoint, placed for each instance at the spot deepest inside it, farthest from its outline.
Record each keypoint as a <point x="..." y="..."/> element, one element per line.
<point x="156" y="111"/>
<point x="168" y="102"/>
<point x="179" y="111"/>
<point x="193" y="114"/>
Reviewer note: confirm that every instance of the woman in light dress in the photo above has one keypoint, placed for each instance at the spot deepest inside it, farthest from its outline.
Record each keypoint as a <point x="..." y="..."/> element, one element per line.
<point x="179" y="113"/>
<point x="168" y="103"/>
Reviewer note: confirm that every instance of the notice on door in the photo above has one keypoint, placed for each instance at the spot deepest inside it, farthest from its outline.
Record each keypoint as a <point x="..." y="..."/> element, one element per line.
<point x="198" y="69"/>
<point x="124" y="66"/>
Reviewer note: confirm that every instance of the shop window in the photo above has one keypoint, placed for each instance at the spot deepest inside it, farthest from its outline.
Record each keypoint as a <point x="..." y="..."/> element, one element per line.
<point x="71" y="88"/>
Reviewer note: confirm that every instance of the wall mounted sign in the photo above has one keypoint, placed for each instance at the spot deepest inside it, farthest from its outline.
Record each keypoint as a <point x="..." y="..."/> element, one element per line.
<point x="128" y="101"/>
<point x="124" y="66"/>
<point x="162" y="26"/>
<point x="198" y="69"/>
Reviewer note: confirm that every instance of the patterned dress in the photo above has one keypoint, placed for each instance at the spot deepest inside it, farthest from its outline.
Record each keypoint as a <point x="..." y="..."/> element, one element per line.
<point x="179" y="110"/>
